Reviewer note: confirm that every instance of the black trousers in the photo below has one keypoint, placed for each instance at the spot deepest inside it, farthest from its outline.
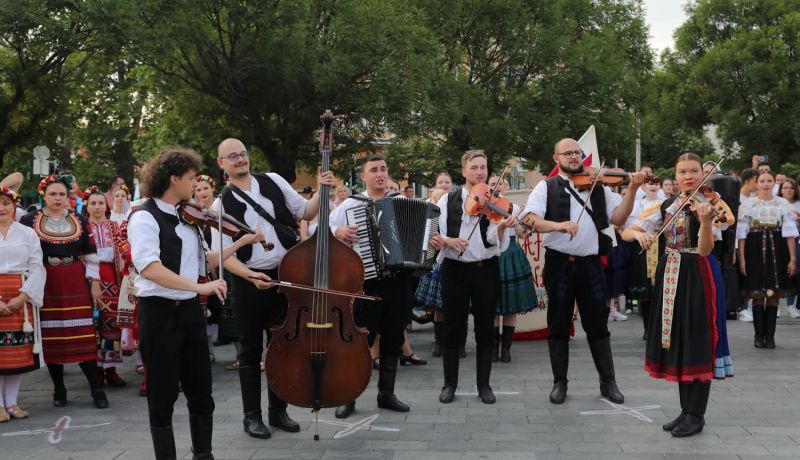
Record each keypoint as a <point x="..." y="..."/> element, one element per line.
<point x="256" y="311"/>
<point x="174" y="348"/>
<point x="569" y="279"/>
<point x="470" y="287"/>
<point x="388" y="317"/>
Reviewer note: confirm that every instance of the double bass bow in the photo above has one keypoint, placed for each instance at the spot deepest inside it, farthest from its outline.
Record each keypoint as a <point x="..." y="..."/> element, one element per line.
<point x="320" y="355"/>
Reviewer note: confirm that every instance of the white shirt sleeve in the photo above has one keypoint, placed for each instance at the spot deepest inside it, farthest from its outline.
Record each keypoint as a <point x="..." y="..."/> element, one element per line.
<point x="743" y="221"/>
<point x="227" y="240"/>
<point x="442" y="204"/>
<point x="294" y="201"/>
<point x="537" y="201"/>
<point x="36" y="276"/>
<point x="143" y="236"/>
<point x="649" y="219"/>
<point x="338" y="218"/>
<point x="613" y="199"/>
<point x="789" y="228"/>
<point x="92" y="263"/>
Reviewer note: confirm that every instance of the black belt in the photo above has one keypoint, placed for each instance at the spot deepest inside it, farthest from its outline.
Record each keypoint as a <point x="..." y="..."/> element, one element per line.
<point x="477" y="263"/>
<point x="570" y="257"/>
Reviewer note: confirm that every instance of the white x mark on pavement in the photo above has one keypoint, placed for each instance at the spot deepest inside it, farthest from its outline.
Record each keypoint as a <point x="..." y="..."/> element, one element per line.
<point x="623" y="410"/>
<point x="56" y="431"/>
<point x="363" y="424"/>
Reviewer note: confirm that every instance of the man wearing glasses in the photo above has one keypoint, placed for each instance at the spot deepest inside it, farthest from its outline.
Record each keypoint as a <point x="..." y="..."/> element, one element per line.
<point x="572" y="270"/>
<point x="269" y="202"/>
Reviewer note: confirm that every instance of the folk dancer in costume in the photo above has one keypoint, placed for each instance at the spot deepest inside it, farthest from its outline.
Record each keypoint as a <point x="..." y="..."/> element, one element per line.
<point x="643" y="267"/>
<point x="685" y="338"/>
<point x="572" y="271"/>
<point x="22" y="280"/>
<point x="767" y="233"/>
<point x="109" y="352"/>
<point x="70" y="259"/>
<point x="14" y="182"/>
<point x="204" y="196"/>
<point x="388" y="317"/>
<point x="269" y="202"/>
<point x="470" y="277"/>
<point x="517" y="292"/>
<point x="120" y="204"/>
<point x="170" y="256"/>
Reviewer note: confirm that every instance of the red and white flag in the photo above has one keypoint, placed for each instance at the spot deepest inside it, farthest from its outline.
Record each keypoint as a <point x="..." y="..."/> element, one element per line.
<point x="589" y="153"/>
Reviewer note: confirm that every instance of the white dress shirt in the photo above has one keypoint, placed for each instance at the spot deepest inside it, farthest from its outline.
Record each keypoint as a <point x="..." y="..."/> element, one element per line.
<point x="21" y="252"/>
<point x="145" y="249"/>
<point x="338" y="218"/>
<point x="659" y="195"/>
<point x="585" y="241"/>
<point x="261" y="259"/>
<point x="476" y="250"/>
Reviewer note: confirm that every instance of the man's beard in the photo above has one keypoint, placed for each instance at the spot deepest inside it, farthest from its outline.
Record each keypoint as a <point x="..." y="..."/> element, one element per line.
<point x="568" y="170"/>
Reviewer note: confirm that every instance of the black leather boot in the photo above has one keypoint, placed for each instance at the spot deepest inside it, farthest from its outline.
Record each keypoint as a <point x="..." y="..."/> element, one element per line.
<point x="345" y="410"/>
<point x="163" y="442"/>
<point x="450" y="365"/>
<point x="507" y="338"/>
<point x="250" y="383"/>
<point x="559" y="362"/>
<point x="697" y="400"/>
<point x="483" y="367"/>
<point x="386" y="378"/>
<point x="496" y="345"/>
<point x="683" y="391"/>
<point x="89" y="369"/>
<point x="758" y="326"/>
<point x="277" y="415"/>
<point x="601" y="353"/>
<point x="644" y="310"/>
<point x="438" y="335"/>
<point x="201" y="427"/>
<point x="59" y="390"/>
<point x="770" y="319"/>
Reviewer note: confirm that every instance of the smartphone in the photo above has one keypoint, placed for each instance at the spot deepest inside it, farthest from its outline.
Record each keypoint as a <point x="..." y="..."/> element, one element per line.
<point x="764" y="158"/>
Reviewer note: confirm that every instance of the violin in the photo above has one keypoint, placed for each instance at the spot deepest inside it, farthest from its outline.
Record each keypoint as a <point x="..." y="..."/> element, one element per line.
<point x="611" y="177"/>
<point x="195" y="214"/>
<point x="705" y="194"/>
<point x="483" y="201"/>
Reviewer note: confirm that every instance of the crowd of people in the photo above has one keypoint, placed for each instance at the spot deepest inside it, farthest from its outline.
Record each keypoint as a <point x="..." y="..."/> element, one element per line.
<point x="94" y="279"/>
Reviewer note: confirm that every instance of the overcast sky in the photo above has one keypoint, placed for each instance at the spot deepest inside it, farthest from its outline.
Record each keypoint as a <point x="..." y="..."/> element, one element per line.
<point x="663" y="17"/>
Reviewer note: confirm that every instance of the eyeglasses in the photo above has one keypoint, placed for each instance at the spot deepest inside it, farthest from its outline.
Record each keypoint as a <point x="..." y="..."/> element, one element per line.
<point x="236" y="156"/>
<point x="574" y="153"/>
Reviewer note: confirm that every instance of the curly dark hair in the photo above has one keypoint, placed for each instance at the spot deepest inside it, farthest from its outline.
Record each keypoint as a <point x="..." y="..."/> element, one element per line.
<point x="171" y="161"/>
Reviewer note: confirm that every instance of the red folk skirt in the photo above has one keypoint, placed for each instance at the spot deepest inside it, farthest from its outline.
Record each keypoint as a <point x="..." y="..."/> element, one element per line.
<point x="68" y="330"/>
<point x="16" y="344"/>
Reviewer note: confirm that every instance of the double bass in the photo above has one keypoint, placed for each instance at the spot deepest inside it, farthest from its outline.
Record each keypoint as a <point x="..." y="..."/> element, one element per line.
<point x="319" y="357"/>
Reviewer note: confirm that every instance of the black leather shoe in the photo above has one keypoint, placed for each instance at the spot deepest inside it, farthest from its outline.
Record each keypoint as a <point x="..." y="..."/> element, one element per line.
<point x="447" y="395"/>
<point x="60" y="398"/>
<point x="495" y="354"/>
<point x="610" y="391"/>
<point x="437" y="350"/>
<point x="559" y="393"/>
<point x="671" y="425"/>
<point x="346" y="410"/>
<point x="254" y="426"/>
<point x="505" y="355"/>
<point x="486" y="394"/>
<point x="414" y="360"/>
<point x="389" y="401"/>
<point x="758" y="342"/>
<point x="690" y="425"/>
<point x="100" y="400"/>
<point x="280" y="419"/>
<point x="769" y="343"/>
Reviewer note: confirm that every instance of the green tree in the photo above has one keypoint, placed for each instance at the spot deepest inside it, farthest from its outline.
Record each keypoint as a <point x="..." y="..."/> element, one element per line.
<point x="272" y="67"/>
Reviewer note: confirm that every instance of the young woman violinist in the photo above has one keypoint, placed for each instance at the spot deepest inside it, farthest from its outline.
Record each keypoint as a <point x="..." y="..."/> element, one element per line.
<point x="679" y="349"/>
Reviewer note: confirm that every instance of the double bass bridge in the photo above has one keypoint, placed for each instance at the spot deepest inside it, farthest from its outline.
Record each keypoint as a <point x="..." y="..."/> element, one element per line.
<point x="311" y="325"/>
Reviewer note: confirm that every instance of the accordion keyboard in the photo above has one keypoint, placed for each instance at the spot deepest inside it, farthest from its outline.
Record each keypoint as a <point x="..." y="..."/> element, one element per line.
<point x="368" y="244"/>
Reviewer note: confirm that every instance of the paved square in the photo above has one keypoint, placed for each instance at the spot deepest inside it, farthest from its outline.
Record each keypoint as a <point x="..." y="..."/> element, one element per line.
<point x="754" y="415"/>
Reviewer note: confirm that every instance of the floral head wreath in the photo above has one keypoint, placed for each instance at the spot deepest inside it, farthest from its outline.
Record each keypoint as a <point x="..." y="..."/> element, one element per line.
<point x="65" y="179"/>
<point x="5" y="191"/>
<point x="122" y="187"/>
<point x="206" y="178"/>
<point x="91" y="191"/>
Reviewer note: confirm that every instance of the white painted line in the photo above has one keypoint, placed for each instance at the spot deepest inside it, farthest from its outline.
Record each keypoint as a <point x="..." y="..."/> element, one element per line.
<point x="363" y="424"/>
<point x="470" y="393"/>
<point x="56" y="431"/>
<point x="619" y="409"/>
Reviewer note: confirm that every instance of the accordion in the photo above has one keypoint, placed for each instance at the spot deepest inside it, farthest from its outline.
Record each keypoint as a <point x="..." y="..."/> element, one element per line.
<point x="393" y="234"/>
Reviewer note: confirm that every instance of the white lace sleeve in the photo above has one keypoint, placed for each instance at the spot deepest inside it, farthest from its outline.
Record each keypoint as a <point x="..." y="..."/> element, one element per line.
<point x="649" y="219"/>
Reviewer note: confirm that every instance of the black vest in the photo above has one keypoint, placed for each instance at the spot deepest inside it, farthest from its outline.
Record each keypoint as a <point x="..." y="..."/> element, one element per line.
<point x="455" y="209"/>
<point x="269" y="190"/>
<point x="558" y="208"/>
<point x="170" y="243"/>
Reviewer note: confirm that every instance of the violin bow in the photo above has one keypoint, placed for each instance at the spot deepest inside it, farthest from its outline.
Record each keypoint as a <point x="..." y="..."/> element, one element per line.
<point x="591" y="190"/>
<point x="221" y="239"/>
<point x="686" y="200"/>
<point x="493" y="192"/>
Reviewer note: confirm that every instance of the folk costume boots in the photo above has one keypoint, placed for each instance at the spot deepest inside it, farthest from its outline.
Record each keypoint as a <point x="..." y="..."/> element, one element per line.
<point x="759" y="326"/>
<point x="277" y="415"/>
<point x="163" y="442"/>
<point x="696" y="403"/>
<point x="483" y="373"/>
<point x="386" y="377"/>
<point x="505" y="348"/>
<point x="201" y="428"/>
<point x="770" y="318"/>
<point x="601" y="353"/>
<point x="250" y="382"/>
<point x="683" y="392"/>
<point x="450" y="358"/>
<point x="559" y="362"/>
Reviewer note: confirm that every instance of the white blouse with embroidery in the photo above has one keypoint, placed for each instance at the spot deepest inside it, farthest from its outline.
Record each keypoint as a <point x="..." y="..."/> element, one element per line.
<point x="776" y="211"/>
<point x="21" y="252"/>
